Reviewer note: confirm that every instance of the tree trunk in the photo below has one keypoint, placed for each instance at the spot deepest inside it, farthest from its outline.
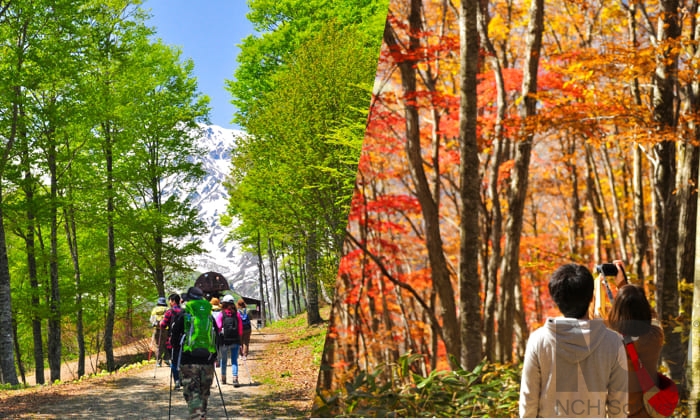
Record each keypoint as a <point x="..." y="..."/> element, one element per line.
<point x="313" y="316"/>
<point x="593" y="199"/>
<point x="617" y="223"/>
<point x="494" y="260"/>
<point x="641" y="239"/>
<point x="693" y="360"/>
<point x="158" y="269"/>
<point x="275" y="298"/>
<point x="72" y="241"/>
<point x="519" y="182"/>
<point x="293" y="278"/>
<point x="604" y="246"/>
<point x="261" y="281"/>
<point x="8" y="374"/>
<point x="687" y="201"/>
<point x="666" y="206"/>
<point x="111" y="250"/>
<point x="55" y="313"/>
<point x="29" y="239"/>
<point x="442" y="283"/>
<point x="18" y="352"/>
<point x="7" y="358"/>
<point x="302" y="279"/>
<point x="469" y="285"/>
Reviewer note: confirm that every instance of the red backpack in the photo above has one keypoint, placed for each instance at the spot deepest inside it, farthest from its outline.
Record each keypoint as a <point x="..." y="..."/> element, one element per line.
<point x="659" y="401"/>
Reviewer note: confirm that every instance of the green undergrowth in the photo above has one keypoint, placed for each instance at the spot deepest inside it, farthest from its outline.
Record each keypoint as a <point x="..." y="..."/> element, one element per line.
<point x="490" y="390"/>
<point x="302" y="335"/>
<point x="298" y="336"/>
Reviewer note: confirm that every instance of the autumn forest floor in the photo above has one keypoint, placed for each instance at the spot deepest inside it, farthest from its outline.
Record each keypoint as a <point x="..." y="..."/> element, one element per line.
<point x="277" y="381"/>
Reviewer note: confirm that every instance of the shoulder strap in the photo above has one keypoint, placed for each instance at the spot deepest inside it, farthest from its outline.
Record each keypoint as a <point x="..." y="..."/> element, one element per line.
<point x="642" y="375"/>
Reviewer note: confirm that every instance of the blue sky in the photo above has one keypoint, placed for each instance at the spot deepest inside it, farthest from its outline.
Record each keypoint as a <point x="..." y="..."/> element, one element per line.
<point x="208" y="32"/>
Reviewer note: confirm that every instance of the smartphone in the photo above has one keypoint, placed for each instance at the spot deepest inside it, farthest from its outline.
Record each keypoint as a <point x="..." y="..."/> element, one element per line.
<point x="608" y="270"/>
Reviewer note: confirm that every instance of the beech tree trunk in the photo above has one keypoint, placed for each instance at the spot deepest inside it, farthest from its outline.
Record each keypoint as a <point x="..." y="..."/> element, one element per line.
<point x="261" y="283"/>
<point x="694" y="325"/>
<point x="666" y="216"/>
<point x="519" y="184"/>
<point x="111" y="250"/>
<point x="313" y="316"/>
<point x="442" y="283"/>
<point x="7" y="357"/>
<point x="469" y="285"/>
<point x="493" y="220"/>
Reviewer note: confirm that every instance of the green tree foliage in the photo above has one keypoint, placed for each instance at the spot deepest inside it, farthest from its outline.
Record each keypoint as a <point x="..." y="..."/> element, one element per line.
<point x="293" y="171"/>
<point x="165" y="121"/>
<point x="285" y="25"/>
<point x="96" y="119"/>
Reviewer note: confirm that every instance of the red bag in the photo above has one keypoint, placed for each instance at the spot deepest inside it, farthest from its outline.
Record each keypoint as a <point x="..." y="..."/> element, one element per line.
<point x="659" y="401"/>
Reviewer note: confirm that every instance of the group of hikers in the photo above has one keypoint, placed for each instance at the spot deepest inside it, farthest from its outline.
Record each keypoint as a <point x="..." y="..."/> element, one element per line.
<point x="196" y="333"/>
<point x="600" y="363"/>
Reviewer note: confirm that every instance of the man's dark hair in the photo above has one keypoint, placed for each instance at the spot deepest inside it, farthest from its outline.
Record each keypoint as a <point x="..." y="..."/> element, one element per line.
<point x="571" y="288"/>
<point x="175" y="297"/>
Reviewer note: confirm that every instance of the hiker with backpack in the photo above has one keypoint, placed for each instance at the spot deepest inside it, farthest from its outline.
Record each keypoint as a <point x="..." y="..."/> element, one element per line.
<point x="651" y="394"/>
<point x="172" y="345"/>
<point x="231" y="327"/>
<point x="247" y="327"/>
<point x="574" y="366"/>
<point x="159" y="338"/>
<point x="196" y="331"/>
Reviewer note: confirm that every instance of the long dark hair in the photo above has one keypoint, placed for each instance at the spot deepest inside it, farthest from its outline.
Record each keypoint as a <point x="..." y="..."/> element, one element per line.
<point x="631" y="312"/>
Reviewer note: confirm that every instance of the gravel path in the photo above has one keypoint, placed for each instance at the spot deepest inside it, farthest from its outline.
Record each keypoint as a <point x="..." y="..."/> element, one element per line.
<point x="144" y="393"/>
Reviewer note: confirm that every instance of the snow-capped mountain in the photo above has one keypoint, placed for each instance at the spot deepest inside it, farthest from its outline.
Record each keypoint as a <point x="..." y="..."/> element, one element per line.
<point x="211" y="199"/>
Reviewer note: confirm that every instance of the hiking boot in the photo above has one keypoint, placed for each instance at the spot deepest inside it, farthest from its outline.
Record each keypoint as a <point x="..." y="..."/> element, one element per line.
<point x="235" y="382"/>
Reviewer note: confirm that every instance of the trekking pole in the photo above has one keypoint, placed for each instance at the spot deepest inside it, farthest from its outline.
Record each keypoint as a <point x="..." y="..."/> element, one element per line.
<point x="170" y="393"/>
<point x="220" y="393"/>
<point x="179" y="356"/>
<point x="150" y="348"/>
<point x="155" y="367"/>
<point x="245" y="363"/>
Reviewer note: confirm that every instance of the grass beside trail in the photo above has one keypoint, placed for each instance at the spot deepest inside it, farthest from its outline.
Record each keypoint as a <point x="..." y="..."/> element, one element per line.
<point x="301" y="349"/>
<point x="289" y="367"/>
<point x="303" y="336"/>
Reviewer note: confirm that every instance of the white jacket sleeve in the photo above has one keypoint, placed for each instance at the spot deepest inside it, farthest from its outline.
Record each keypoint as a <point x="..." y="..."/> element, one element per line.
<point x="618" y="389"/>
<point x="530" y="383"/>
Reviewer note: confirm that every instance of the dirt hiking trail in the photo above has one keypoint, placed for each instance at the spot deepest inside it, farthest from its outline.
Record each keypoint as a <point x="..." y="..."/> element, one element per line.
<point x="144" y="392"/>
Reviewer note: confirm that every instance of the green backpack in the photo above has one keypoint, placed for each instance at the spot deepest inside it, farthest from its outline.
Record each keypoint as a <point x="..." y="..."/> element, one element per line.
<point x="199" y="329"/>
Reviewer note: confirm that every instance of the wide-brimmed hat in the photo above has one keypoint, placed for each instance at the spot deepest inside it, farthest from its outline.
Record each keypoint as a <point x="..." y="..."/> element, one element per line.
<point x="215" y="304"/>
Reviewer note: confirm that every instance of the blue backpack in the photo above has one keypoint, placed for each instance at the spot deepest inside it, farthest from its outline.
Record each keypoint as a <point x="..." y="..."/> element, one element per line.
<point x="246" y="320"/>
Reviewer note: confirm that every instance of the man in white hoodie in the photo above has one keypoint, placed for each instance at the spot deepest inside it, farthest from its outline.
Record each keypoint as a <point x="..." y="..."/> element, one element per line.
<point x="574" y="366"/>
